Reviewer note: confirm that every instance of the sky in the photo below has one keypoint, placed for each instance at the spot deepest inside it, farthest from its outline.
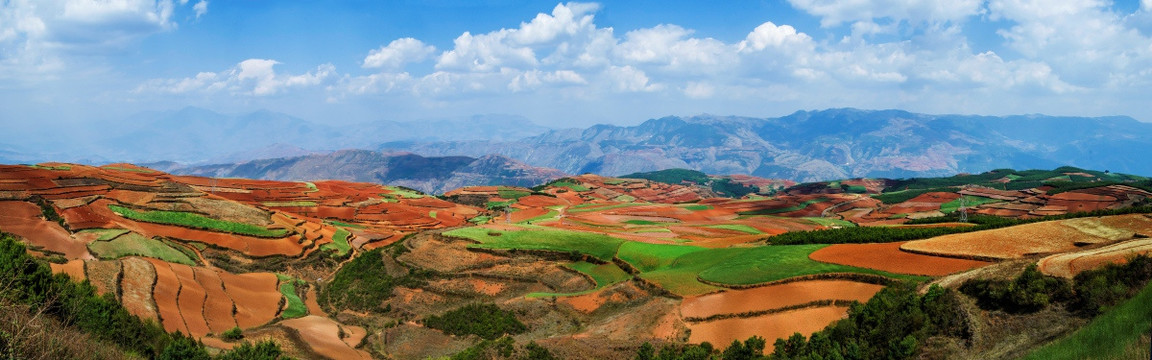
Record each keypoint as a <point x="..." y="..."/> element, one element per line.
<point x="92" y="62"/>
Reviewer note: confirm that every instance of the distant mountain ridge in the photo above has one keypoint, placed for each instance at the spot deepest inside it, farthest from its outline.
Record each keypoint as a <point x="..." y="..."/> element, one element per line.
<point x="428" y="174"/>
<point x="827" y="144"/>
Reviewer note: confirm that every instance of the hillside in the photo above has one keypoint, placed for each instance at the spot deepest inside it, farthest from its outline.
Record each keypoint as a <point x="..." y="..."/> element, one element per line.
<point x="582" y="266"/>
<point x="826" y="144"/>
<point x="432" y="175"/>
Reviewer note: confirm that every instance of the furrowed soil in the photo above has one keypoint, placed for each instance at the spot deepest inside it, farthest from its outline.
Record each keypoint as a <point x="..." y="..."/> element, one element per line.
<point x="888" y="257"/>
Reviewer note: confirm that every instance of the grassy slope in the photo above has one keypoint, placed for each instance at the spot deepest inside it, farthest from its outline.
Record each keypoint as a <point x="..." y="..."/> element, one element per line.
<point x="339" y="242"/>
<point x="969" y="200"/>
<point x="296" y="306"/>
<point x="196" y="221"/>
<point x="604" y="275"/>
<point x="1120" y="333"/>
<point x="131" y="244"/>
<point x="601" y="246"/>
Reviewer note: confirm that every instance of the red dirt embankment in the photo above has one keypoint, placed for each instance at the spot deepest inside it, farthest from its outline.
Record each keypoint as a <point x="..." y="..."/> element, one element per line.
<point x="775" y="297"/>
<point x="770" y="327"/>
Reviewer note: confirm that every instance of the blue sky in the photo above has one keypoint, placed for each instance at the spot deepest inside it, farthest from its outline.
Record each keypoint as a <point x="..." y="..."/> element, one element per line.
<point x="66" y="62"/>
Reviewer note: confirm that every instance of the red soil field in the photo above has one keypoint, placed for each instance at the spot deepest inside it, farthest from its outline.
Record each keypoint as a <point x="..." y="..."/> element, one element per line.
<point x="1069" y="264"/>
<point x="256" y="296"/>
<point x="165" y="293"/>
<point x="23" y="219"/>
<point x="770" y="327"/>
<point x="217" y="304"/>
<point x="888" y="257"/>
<point x="776" y="297"/>
<point x="191" y="301"/>
<point x="540" y="201"/>
<point x="322" y="336"/>
<point x="136" y="287"/>
<point x="73" y="268"/>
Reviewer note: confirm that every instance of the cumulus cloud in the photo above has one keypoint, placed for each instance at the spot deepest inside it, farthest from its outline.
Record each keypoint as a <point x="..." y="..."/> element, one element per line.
<point x="253" y="77"/>
<point x="37" y="37"/>
<point x="200" y="8"/>
<point x="398" y="53"/>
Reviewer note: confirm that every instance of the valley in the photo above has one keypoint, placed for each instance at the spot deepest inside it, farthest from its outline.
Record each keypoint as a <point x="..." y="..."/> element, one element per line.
<point x="580" y="266"/>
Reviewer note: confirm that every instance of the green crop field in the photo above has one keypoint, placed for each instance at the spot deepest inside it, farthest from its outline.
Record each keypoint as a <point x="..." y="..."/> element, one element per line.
<point x="698" y="207"/>
<point x="1114" y="335"/>
<point x="482" y="219"/>
<point x="339" y="243"/>
<point x="550" y="215"/>
<point x="582" y="208"/>
<point x="603" y="274"/>
<point x="642" y="222"/>
<point x="737" y="227"/>
<point x="970" y="201"/>
<point x="651" y="257"/>
<point x="569" y="184"/>
<point x="403" y="192"/>
<point x="601" y="246"/>
<point x="296" y="306"/>
<point x="311" y="187"/>
<point x="796" y="207"/>
<point x="771" y="263"/>
<point x="196" y="221"/>
<point x="105" y="234"/>
<point x="344" y="224"/>
<point x="511" y="193"/>
<point x="133" y="244"/>
<point x="830" y="222"/>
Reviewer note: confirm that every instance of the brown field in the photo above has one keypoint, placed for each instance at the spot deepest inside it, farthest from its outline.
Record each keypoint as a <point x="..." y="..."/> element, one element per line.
<point x="256" y="296"/>
<point x="770" y="327"/>
<point x="23" y="219"/>
<point x="323" y="337"/>
<point x="775" y="297"/>
<point x="191" y="301"/>
<point x="888" y="257"/>
<point x="217" y="305"/>
<point x="1030" y="239"/>
<point x="1072" y="263"/>
<point x="136" y="287"/>
<point x="73" y="268"/>
<point x="165" y="292"/>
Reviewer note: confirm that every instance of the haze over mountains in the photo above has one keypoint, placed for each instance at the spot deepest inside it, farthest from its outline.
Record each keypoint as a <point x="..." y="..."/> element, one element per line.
<point x="803" y="146"/>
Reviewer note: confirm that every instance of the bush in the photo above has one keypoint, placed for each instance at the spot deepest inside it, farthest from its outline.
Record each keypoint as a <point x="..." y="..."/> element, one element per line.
<point x="264" y="350"/>
<point x="484" y="320"/>
<point x="233" y="334"/>
<point x="1029" y="292"/>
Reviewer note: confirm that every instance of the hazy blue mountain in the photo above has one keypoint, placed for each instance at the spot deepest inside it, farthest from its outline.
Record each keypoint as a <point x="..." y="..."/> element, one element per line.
<point x="827" y="144"/>
<point x="428" y="174"/>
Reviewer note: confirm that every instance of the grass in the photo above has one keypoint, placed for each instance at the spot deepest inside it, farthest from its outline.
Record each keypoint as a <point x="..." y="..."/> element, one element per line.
<point x="511" y="193"/>
<point x="830" y="222"/>
<point x="651" y="257"/>
<point x="551" y="214"/>
<point x="615" y="181"/>
<point x="582" y="208"/>
<point x="432" y="214"/>
<point x="296" y="306"/>
<point x="569" y="184"/>
<point x="142" y="171"/>
<point x="303" y="203"/>
<point x="642" y="222"/>
<point x="404" y="192"/>
<point x="344" y="224"/>
<point x="969" y="201"/>
<point x="1120" y="333"/>
<point x="698" y="207"/>
<point x="106" y="234"/>
<point x="339" y="243"/>
<point x="601" y="246"/>
<point x="796" y="207"/>
<point x="625" y="198"/>
<point x="499" y="204"/>
<point x="196" y="221"/>
<point x="133" y="244"/>
<point x="482" y="219"/>
<point x="603" y="274"/>
<point x="737" y="227"/>
<point x="56" y="168"/>
<point x="311" y="187"/>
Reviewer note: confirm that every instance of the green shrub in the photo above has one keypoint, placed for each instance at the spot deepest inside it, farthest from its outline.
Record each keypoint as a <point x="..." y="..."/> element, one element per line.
<point x="1029" y="292"/>
<point x="484" y="320"/>
<point x="233" y="334"/>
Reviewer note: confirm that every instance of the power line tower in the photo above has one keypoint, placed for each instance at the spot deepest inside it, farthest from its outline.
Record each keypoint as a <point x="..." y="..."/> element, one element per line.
<point x="963" y="210"/>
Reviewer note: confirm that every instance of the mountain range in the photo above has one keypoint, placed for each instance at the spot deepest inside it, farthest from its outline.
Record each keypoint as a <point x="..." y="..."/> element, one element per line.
<point x="827" y="144"/>
<point x="427" y="174"/>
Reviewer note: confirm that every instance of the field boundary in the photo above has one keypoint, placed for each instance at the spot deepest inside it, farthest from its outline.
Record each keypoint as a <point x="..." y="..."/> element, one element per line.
<point x="857" y="277"/>
<point x="758" y="313"/>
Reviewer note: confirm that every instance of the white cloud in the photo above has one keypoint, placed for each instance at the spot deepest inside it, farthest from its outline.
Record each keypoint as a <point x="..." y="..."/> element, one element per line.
<point x="398" y="53"/>
<point x="836" y="12"/>
<point x="769" y="35"/>
<point x="254" y="77"/>
<point x="200" y="8"/>
<point x="38" y="38"/>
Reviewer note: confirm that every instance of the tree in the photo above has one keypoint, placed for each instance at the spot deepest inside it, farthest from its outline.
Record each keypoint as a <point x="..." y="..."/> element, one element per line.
<point x="184" y="348"/>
